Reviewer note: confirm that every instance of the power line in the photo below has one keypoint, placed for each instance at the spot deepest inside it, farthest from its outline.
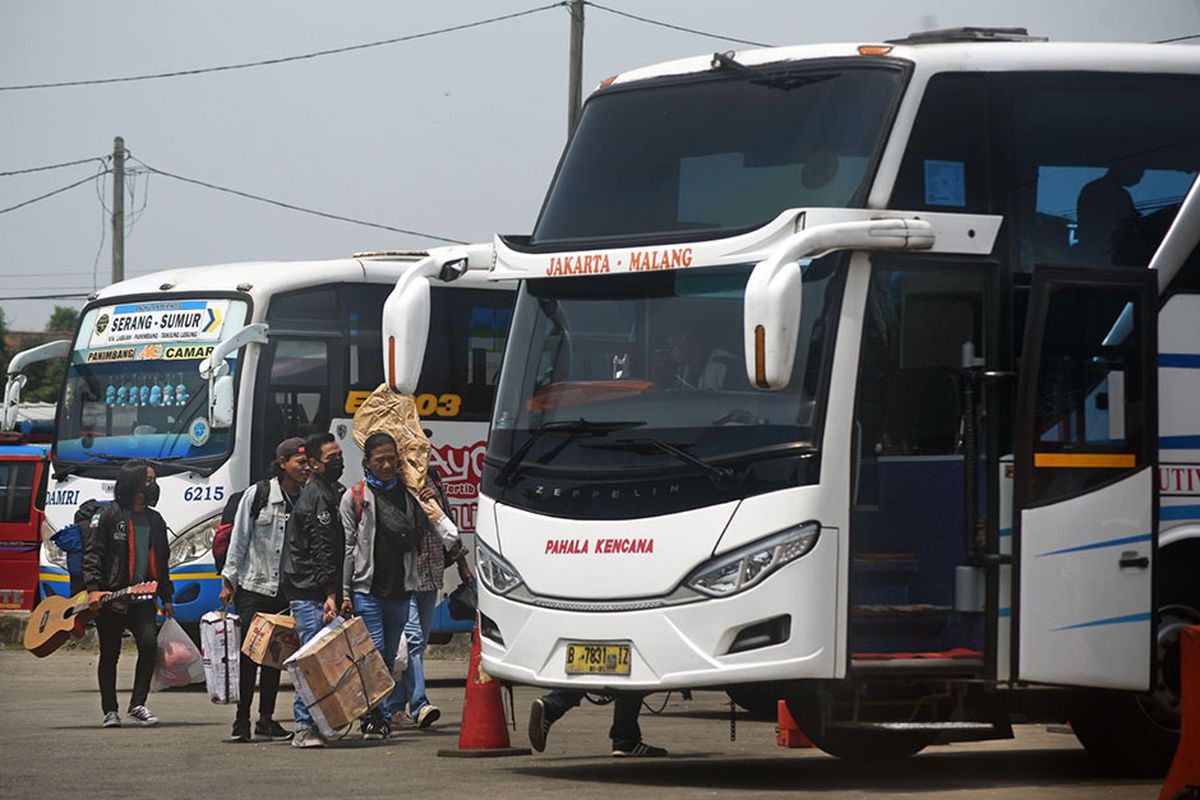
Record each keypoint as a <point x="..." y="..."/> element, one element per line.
<point x="72" y="296"/>
<point x="285" y="59"/>
<point x="673" y="27"/>
<point x="33" y="200"/>
<point x="50" y="166"/>
<point x="1177" y="39"/>
<point x="294" y="207"/>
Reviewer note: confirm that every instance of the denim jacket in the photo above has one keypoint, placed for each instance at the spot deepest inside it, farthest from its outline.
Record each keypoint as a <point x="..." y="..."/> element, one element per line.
<point x="256" y="545"/>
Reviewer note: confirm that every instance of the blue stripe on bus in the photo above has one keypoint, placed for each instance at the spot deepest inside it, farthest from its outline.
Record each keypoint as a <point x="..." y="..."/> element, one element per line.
<point x="1179" y="360"/>
<point x="1142" y="617"/>
<point x="1179" y="442"/>
<point x="1141" y="537"/>
<point x="184" y="305"/>
<point x="1005" y="532"/>
<point x="1178" y="512"/>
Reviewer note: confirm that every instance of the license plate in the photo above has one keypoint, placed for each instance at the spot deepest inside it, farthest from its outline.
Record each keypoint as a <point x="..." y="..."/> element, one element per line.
<point x="597" y="658"/>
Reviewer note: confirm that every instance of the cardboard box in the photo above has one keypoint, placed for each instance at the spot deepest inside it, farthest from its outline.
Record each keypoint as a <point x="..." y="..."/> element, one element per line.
<point x="340" y="675"/>
<point x="270" y="640"/>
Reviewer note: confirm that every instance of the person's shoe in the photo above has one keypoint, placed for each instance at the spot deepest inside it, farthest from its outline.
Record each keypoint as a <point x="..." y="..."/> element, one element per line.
<point x="112" y="720"/>
<point x="143" y="715"/>
<point x="539" y="726"/>
<point x="640" y="750"/>
<point x="373" y="729"/>
<point x="270" y="729"/>
<point x="307" y="737"/>
<point x="241" y="730"/>
<point x="428" y="715"/>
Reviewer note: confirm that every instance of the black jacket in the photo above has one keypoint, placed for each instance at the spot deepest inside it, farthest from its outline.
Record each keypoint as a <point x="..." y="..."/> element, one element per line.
<point x="106" y="552"/>
<point x="314" y="544"/>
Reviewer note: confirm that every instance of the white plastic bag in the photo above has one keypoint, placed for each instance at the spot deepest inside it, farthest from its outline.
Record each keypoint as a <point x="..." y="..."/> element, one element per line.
<point x="179" y="662"/>
<point x="401" y="664"/>
<point x="220" y="642"/>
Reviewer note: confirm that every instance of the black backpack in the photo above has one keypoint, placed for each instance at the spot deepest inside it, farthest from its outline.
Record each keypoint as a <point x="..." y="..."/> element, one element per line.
<point x="221" y="537"/>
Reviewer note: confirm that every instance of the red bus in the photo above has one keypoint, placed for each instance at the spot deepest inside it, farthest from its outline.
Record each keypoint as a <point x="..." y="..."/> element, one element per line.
<point x="22" y="472"/>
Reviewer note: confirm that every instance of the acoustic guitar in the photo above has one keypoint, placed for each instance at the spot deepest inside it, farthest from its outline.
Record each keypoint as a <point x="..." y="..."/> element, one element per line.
<point x="57" y="618"/>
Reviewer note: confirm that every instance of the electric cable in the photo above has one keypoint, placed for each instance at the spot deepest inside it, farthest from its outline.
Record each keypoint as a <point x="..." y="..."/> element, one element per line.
<point x="50" y="166"/>
<point x="1177" y="39"/>
<point x="284" y="59"/>
<point x="41" y="197"/>
<point x="674" y="27"/>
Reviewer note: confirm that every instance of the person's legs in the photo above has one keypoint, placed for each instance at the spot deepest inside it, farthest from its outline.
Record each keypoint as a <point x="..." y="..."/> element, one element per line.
<point x="308" y="616"/>
<point x="625" y="733"/>
<point x="416" y="629"/>
<point x="109" y="627"/>
<point x="140" y="620"/>
<point x="246" y="604"/>
<point x="395" y="617"/>
<point x="372" y="611"/>
<point x="559" y="702"/>
<point x="268" y="688"/>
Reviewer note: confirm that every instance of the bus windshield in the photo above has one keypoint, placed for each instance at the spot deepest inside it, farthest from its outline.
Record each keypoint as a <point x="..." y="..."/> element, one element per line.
<point x="729" y="151"/>
<point x="133" y="387"/>
<point x="604" y="370"/>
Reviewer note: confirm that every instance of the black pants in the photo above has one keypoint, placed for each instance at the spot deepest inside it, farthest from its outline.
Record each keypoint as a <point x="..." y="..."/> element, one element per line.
<point x="248" y="604"/>
<point x="624" y="732"/>
<point x="109" y="626"/>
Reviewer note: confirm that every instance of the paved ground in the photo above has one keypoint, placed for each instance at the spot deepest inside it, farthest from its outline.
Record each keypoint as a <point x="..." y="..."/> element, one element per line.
<point x="53" y="747"/>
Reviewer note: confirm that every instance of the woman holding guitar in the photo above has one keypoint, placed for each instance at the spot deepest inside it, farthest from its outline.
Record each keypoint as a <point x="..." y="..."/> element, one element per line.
<point x="128" y="545"/>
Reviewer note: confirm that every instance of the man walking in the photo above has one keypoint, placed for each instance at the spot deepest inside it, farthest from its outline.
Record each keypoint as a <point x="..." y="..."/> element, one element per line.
<point x="625" y="734"/>
<point x="311" y="569"/>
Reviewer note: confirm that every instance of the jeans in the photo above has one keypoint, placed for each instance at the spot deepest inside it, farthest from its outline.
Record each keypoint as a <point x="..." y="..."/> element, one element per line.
<point x="385" y="618"/>
<point x="625" y="733"/>
<point x="109" y="627"/>
<point x="248" y="604"/>
<point x="309" y="618"/>
<point x="420" y="619"/>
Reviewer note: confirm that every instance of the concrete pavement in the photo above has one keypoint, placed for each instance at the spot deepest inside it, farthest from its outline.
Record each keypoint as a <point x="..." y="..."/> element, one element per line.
<point x="53" y="747"/>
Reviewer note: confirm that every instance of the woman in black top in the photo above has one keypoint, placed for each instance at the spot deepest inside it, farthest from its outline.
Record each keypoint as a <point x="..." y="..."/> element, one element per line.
<point x="128" y="545"/>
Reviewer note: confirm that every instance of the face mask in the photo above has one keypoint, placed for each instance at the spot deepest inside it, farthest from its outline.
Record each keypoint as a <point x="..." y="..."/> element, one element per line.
<point x="334" y="468"/>
<point x="151" y="494"/>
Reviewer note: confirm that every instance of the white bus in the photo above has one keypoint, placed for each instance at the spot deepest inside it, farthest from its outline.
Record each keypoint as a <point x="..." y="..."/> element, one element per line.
<point x="837" y="375"/>
<point x="300" y="345"/>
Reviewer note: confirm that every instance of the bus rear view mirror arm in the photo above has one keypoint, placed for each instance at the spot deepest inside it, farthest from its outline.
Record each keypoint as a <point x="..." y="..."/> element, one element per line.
<point x="406" y="312"/>
<point x="216" y="371"/>
<point x="16" y="380"/>
<point x="771" y="308"/>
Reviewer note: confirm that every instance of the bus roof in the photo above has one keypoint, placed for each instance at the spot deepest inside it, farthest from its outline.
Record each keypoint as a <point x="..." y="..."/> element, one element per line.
<point x="977" y="56"/>
<point x="261" y="279"/>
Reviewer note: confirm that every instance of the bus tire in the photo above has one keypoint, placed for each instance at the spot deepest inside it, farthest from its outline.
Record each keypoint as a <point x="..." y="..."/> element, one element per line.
<point x="806" y="707"/>
<point x="1137" y="733"/>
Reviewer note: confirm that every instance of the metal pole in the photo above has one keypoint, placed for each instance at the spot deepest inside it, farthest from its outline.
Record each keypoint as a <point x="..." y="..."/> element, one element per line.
<point x="575" y="67"/>
<point x="118" y="211"/>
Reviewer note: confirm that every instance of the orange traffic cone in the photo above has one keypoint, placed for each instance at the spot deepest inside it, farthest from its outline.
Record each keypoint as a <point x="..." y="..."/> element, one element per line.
<point x="483" y="732"/>
<point x="1184" y="776"/>
<point x="787" y="732"/>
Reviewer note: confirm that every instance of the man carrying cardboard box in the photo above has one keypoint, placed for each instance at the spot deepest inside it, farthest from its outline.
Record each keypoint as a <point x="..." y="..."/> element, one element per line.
<point x="311" y="572"/>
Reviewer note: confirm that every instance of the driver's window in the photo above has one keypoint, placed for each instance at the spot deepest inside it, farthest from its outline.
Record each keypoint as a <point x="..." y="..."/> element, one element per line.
<point x="298" y="395"/>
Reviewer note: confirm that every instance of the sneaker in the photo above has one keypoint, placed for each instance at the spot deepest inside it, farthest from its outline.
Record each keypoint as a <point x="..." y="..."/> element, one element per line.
<point x="270" y="729"/>
<point x="428" y="715"/>
<point x="241" y="730"/>
<point x="375" y="729"/>
<point x="143" y="715"/>
<point x="307" y="737"/>
<point x="539" y="726"/>
<point x="640" y="750"/>
<point x="112" y="720"/>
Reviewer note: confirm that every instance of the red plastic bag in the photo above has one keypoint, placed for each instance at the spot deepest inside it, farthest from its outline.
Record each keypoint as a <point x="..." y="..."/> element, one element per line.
<point x="179" y="661"/>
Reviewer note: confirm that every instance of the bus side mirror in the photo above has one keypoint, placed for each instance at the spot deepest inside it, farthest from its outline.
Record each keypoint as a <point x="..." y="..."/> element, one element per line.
<point x="221" y="414"/>
<point x="771" y="305"/>
<point x="16" y="380"/>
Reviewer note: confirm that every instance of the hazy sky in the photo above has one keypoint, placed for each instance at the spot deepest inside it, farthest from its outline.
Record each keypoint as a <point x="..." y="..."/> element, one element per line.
<point x="455" y="135"/>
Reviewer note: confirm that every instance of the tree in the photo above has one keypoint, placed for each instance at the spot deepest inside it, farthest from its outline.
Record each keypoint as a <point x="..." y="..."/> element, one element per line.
<point x="63" y="319"/>
<point x="45" y="377"/>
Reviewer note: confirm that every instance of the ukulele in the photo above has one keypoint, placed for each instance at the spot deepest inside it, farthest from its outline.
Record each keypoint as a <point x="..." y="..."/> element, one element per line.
<point x="57" y="618"/>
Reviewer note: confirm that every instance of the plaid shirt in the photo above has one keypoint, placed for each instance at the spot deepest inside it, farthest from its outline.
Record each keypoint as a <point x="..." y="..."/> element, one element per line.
<point x="424" y="567"/>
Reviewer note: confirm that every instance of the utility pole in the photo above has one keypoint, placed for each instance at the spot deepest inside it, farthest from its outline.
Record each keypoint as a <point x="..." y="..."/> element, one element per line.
<point x="575" y="67"/>
<point x="118" y="211"/>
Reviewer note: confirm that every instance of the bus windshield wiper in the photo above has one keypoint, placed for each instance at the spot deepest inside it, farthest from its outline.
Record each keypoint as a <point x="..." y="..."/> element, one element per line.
<point x="571" y="426"/>
<point x="722" y="475"/>
<point x="161" y="463"/>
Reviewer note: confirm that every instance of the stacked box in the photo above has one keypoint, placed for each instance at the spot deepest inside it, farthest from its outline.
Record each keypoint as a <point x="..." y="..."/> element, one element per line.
<point x="219" y="637"/>
<point x="270" y="640"/>
<point x="340" y="675"/>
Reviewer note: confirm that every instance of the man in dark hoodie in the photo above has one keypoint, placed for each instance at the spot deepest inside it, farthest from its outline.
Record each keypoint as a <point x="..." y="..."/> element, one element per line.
<point x="311" y="569"/>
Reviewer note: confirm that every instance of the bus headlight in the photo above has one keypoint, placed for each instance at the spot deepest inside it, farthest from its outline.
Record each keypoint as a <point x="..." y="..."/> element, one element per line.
<point x="53" y="553"/>
<point x="194" y="543"/>
<point x="496" y="573"/>
<point x="750" y="565"/>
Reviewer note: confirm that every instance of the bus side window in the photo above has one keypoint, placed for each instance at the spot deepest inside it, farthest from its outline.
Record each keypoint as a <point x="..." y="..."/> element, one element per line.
<point x="945" y="167"/>
<point x="468" y="330"/>
<point x="16" y="491"/>
<point x="298" y="395"/>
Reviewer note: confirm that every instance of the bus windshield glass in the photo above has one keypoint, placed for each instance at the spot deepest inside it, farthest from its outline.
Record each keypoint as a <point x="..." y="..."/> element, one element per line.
<point x="133" y="386"/>
<point x="598" y="367"/>
<point x="729" y="151"/>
